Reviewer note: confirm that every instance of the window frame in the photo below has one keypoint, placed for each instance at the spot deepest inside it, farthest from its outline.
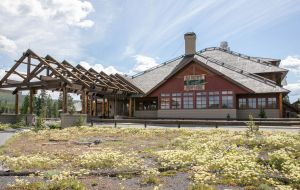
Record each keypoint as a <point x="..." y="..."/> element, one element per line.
<point x="166" y="101"/>
<point x="190" y="100"/>
<point x="200" y="101"/>
<point x="215" y="95"/>
<point x="227" y="94"/>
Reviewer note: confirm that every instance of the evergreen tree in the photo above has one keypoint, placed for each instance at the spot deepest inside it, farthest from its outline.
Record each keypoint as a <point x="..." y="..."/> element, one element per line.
<point x="59" y="101"/>
<point x="55" y="110"/>
<point x="25" y="105"/>
<point x="49" y="105"/>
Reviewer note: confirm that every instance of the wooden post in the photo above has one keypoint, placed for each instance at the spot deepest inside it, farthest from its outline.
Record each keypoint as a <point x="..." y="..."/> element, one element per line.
<point x="103" y="107"/>
<point x="107" y="107"/>
<point x="96" y="108"/>
<point x="31" y="101"/>
<point x="280" y="105"/>
<point x="91" y="106"/>
<point x="28" y="67"/>
<point x="115" y="107"/>
<point x="65" y="100"/>
<point x="130" y="107"/>
<point x="83" y="102"/>
<point x="17" y="103"/>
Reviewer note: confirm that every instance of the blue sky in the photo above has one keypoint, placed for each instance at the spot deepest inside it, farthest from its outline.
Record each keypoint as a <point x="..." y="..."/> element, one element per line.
<point x="130" y="36"/>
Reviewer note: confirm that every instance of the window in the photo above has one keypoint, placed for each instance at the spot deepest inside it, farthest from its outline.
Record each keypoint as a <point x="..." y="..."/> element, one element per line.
<point x="227" y="99"/>
<point x="188" y="100"/>
<point x="201" y="100"/>
<point x="226" y="92"/>
<point x="176" y="100"/>
<point x="261" y="102"/>
<point x="214" y="100"/>
<point x="242" y="103"/>
<point x="252" y="103"/>
<point x="227" y="102"/>
<point x="146" y="104"/>
<point x="165" y="101"/>
<point x="272" y="103"/>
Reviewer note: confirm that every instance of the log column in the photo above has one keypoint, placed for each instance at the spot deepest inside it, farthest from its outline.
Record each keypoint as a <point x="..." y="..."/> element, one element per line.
<point x="280" y="105"/>
<point x="115" y="107"/>
<point x="91" y="106"/>
<point x="130" y="107"/>
<point x="17" y="103"/>
<point x="65" y="100"/>
<point x="96" y="108"/>
<point x="83" y="102"/>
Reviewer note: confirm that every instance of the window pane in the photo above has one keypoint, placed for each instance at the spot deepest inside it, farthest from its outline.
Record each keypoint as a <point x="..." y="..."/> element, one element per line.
<point x="188" y="102"/>
<point x="252" y="103"/>
<point x="242" y="103"/>
<point x="176" y="102"/>
<point x="201" y="100"/>
<point x="261" y="102"/>
<point x="214" y="100"/>
<point x="227" y="102"/>
<point x="272" y="103"/>
<point x="165" y="103"/>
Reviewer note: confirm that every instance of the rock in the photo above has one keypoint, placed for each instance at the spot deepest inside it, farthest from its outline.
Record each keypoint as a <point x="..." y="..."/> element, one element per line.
<point x="98" y="141"/>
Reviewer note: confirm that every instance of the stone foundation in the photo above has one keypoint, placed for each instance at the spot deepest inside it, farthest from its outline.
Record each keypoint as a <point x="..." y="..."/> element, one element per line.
<point x="8" y="118"/>
<point x="68" y="120"/>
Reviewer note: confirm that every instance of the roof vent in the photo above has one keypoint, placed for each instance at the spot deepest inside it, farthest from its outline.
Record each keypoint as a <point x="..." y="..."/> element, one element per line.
<point x="224" y="45"/>
<point x="190" y="43"/>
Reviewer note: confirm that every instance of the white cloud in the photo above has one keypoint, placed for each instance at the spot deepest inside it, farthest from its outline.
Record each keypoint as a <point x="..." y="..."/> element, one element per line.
<point x="291" y="63"/>
<point x="99" y="67"/>
<point x="7" y="45"/>
<point x="143" y="63"/>
<point x="294" y="87"/>
<point x="72" y="12"/>
<point x="52" y="27"/>
<point x="295" y="90"/>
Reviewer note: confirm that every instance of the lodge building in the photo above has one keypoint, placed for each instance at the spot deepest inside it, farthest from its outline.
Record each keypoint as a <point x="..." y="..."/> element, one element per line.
<point x="212" y="83"/>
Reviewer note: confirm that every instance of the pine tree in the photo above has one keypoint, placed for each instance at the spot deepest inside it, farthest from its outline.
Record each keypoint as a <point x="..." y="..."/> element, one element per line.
<point x="59" y="101"/>
<point x="49" y="104"/>
<point x="55" y="110"/>
<point x="25" y="105"/>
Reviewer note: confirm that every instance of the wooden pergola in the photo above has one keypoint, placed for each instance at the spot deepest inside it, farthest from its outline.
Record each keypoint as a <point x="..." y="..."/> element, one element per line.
<point x="49" y="74"/>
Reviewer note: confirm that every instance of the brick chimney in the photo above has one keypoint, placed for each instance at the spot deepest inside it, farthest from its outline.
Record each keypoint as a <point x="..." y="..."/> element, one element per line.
<point x="190" y="43"/>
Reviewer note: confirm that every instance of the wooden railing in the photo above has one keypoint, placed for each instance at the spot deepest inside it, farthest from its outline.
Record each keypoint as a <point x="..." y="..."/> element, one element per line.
<point x="209" y="123"/>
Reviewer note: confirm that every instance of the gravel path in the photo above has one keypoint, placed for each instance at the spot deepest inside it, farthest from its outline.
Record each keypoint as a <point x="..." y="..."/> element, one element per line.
<point x="4" y="136"/>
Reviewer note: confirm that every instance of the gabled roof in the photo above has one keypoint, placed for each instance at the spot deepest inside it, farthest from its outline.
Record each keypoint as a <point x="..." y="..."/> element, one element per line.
<point x="146" y="80"/>
<point x="153" y="78"/>
<point x="244" y="62"/>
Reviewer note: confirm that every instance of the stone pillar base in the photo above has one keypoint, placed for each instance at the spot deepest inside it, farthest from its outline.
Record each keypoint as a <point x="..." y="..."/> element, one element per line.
<point x="68" y="120"/>
<point x="8" y="118"/>
<point x="30" y="119"/>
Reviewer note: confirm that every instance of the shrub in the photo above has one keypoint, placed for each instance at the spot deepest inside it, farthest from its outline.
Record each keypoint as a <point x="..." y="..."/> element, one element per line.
<point x="40" y="124"/>
<point x="252" y="128"/>
<point x="108" y="158"/>
<point x="262" y="113"/>
<point x="79" y="122"/>
<point x="150" y="177"/>
<point x="4" y="126"/>
<point x="54" y="126"/>
<point x="30" y="162"/>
